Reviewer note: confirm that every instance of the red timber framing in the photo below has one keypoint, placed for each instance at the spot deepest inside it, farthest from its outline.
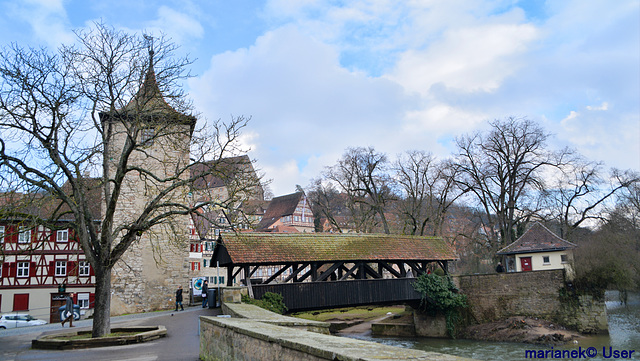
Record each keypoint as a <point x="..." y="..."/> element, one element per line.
<point x="41" y="258"/>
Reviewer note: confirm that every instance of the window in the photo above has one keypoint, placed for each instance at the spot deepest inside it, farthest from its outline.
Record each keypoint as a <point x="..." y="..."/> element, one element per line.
<point x="61" y="268"/>
<point x="147" y="135"/>
<point x="22" y="269"/>
<point x="1" y="234"/>
<point x="62" y="235"/>
<point x="545" y="260"/>
<point x="84" y="268"/>
<point x="24" y="236"/>
<point x="204" y="263"/>
<point x="83" y="300"/>
<point x="195" y="266"/>
<point x="564" y="258"/>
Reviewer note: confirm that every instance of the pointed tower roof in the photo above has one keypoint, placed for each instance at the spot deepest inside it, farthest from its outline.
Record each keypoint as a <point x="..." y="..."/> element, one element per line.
<point x="537" y="239"/>
<point x="149" y="102"/>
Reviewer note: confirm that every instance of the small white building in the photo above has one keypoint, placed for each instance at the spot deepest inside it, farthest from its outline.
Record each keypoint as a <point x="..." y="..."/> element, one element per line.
<point x="538" y="249"/>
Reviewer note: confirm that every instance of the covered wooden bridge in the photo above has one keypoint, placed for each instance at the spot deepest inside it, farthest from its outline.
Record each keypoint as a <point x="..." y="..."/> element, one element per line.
<point x="324" y="270"/>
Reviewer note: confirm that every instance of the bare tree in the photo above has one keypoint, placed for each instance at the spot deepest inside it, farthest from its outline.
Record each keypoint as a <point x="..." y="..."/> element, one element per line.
<point x="98" y="108"/>
<point x="503" y="170"/>
<point x="581" y="192"/>
<point x="361" y="174"/>
<point x="326" y="203"/>
<point x="428" y="190"/>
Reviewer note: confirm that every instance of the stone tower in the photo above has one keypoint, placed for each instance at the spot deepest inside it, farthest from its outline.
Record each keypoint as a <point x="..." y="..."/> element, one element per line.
<point x="149" y="272"/>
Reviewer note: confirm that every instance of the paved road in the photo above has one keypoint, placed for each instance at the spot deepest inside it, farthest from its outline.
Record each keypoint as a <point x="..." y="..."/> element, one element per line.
<point x="181" y="343"/>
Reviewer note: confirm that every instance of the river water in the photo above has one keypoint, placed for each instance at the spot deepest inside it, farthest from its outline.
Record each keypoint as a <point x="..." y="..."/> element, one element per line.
<point x="624" y="334"/>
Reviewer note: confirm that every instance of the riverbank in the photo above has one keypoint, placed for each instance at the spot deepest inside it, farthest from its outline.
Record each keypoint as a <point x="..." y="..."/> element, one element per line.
<point x="514" y="329"/>
<point x="521" y="329"/>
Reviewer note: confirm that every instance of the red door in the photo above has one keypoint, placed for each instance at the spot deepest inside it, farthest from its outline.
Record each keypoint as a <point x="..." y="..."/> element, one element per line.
<point x="525" y="264"/>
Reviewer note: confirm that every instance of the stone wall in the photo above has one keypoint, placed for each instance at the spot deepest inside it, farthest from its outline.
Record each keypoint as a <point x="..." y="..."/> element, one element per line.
<point x="149" y="272"/>
<point x="585" y="314"/>
<point x="501" y="295"/>
<point x="536" y="294"/>
<point x="244" y="339"/>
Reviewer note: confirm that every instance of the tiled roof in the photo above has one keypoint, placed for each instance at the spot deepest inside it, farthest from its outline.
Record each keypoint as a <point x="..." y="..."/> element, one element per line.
<point x="47" y="207"/>
<point x="149" y="99"/>
<point x="219" y="173"/>
<point x="537" y="239"/>
<point x="256" y="207"/>
<point x="278" y="248"/>
<point x="278" y="208"/>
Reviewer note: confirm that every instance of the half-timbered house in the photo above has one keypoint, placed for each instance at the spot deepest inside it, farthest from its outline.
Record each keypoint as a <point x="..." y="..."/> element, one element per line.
<point x="40" y="263"/>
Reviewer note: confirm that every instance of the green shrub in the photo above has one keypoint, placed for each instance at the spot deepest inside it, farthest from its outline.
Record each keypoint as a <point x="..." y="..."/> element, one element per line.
<point x="273" y="302"/>
<point x="440" y="295"/>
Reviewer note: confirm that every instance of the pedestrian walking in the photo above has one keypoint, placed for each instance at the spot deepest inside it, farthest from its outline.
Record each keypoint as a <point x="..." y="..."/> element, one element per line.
<point x="68" y="309"/>
<point x="179" y="298"/>
<point x="205" y="293"/>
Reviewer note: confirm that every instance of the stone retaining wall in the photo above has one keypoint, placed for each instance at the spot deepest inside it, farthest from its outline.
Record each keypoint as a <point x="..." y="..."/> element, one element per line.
<point x="536" y="294"/>
<point x="501" y="295"/>
<point x="227" y="339"/>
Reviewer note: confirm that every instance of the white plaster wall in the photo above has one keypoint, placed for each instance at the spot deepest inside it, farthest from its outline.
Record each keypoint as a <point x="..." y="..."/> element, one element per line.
<point x="555" y="261"/>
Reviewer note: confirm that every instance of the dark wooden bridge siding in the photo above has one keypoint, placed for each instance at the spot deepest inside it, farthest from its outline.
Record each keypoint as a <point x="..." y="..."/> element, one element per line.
<point x="319" y="295"/>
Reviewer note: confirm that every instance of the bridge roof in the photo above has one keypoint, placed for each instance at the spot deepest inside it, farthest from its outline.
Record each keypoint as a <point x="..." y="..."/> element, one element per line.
<point x="279" y="248"/>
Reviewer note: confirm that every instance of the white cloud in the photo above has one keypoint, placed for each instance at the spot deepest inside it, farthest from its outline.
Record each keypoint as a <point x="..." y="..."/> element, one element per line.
<point x="603" y="106"/>
<point x="178" y="25"/>
<point x="302" y="102"/>
<point x="448" y="67"/>
<point x="47" y="18"/>
<point x="469" y="59"/>
<point x="594" y="135"/>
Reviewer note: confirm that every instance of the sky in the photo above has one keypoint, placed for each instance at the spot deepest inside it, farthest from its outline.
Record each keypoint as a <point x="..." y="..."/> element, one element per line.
<point x="317" y="77"/>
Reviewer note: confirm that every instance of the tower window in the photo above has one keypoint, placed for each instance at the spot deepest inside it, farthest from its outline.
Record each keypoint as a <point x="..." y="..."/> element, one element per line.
<point x="147" y="135"/>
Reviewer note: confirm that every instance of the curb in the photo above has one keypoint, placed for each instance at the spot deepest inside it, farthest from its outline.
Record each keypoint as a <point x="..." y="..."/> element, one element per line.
<point x="146" y="333"/>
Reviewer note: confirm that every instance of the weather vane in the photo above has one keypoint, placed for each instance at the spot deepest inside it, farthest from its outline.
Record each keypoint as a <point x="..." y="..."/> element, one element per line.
<point x="149" y="41"/>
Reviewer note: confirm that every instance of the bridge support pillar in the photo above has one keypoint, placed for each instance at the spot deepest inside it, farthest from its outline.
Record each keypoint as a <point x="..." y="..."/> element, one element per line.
<point x="430" y="326"/>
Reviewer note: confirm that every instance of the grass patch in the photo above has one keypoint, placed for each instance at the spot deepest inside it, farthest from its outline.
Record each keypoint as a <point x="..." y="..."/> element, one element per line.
<point x="365" y="313"/>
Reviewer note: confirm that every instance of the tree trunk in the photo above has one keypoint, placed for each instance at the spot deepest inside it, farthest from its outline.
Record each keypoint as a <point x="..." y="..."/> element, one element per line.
<point x="384" y="220"/>
<point x="102" y="307"/>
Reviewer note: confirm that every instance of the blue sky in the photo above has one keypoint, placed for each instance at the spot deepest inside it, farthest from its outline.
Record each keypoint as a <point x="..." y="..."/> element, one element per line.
<point x="320" y="76"/>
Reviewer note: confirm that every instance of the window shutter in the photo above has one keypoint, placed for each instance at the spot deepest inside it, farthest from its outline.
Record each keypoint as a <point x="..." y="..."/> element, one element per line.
<point x="92" y="300"/>
<point x="12" y="269"/>
<point x="11" y="236"/>
<point x="75" y="298"/>
<point x="32" y="269"/>
<point x="5" y="269"/>
<point x="91" y="273"/>
<point x="72" y="269"/>
<point x="52" y="268"/>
